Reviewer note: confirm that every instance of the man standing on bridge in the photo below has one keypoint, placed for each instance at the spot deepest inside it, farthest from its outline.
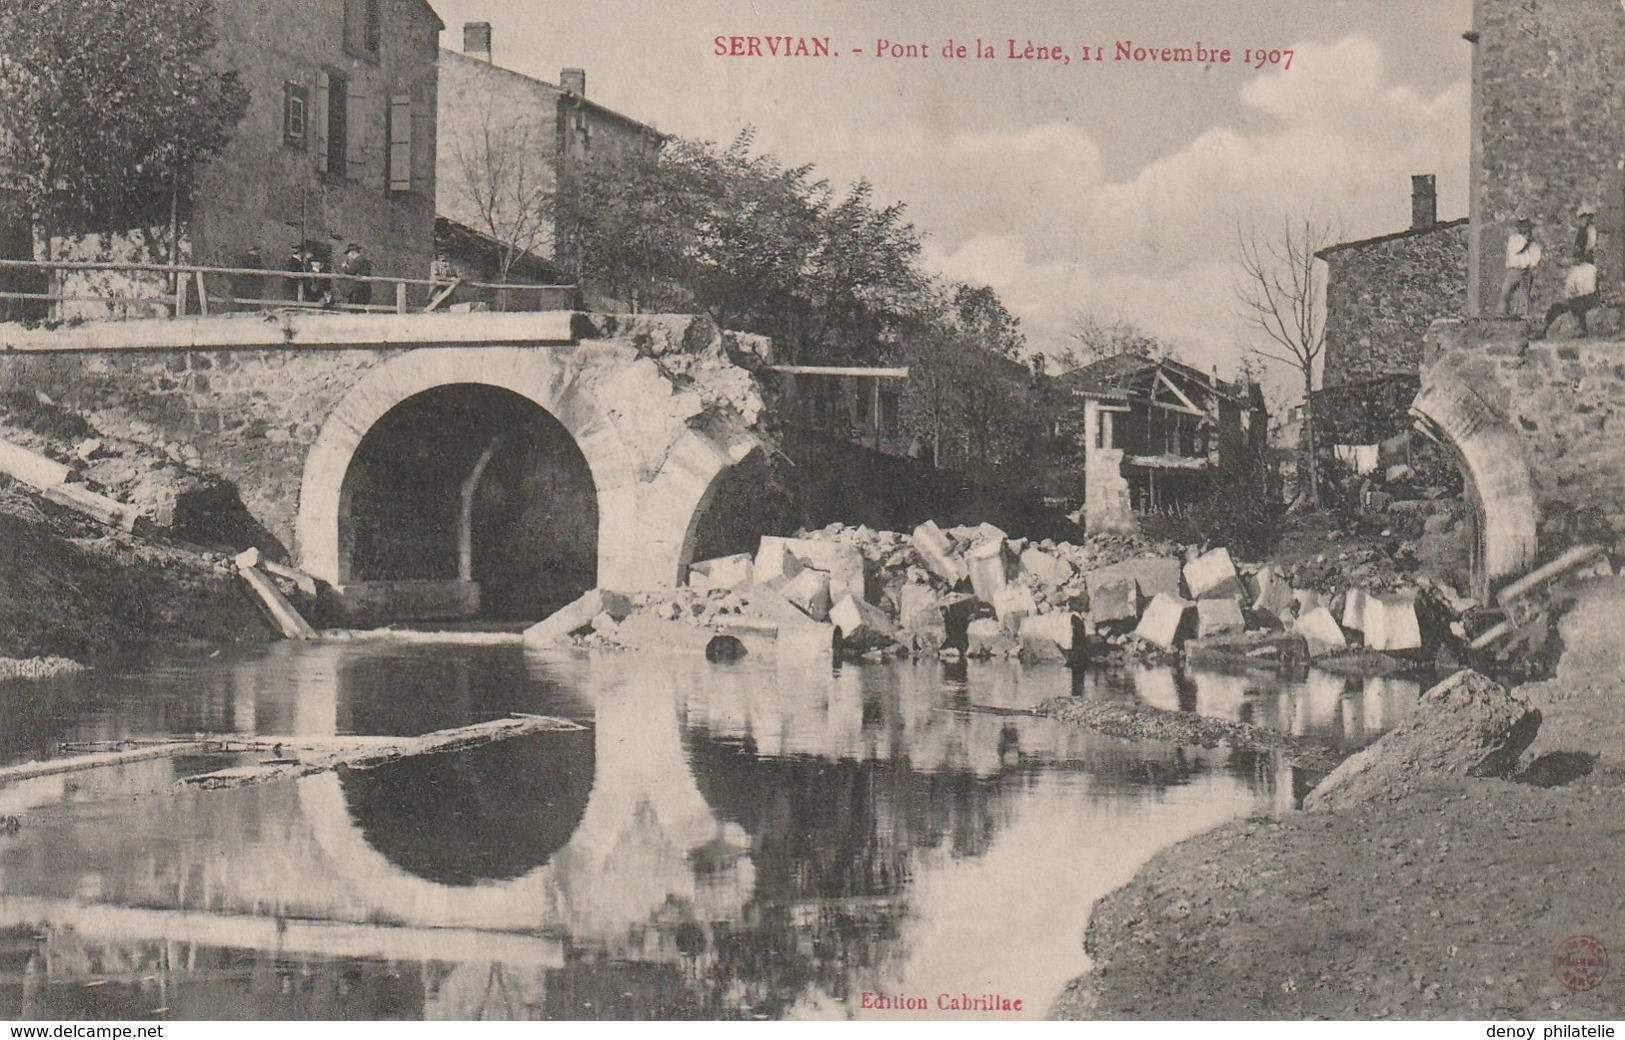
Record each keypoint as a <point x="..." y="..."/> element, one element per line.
<point x="1523" y="256"/>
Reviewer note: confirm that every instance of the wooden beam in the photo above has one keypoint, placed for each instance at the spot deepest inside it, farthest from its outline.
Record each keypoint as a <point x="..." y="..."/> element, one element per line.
<point x="837" y="370"/>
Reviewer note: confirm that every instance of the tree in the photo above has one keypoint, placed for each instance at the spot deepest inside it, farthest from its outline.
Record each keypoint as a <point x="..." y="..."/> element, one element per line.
<point x="1280" y="288"/>
<point x="107" y="109"/>
<point x="504" y="182"/>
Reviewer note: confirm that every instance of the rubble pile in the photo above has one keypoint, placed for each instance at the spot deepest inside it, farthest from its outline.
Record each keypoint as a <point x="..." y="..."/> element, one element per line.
<point x="978" y="592"/>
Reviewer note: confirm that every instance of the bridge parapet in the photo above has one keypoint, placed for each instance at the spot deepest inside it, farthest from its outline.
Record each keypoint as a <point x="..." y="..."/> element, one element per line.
<point x="1539" y="427"/>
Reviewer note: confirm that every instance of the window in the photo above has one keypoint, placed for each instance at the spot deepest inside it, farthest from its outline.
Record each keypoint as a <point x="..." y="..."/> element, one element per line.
<point x="363" y="27"/>
<point x="400" y="143"/>
<point x="295" y="103"/>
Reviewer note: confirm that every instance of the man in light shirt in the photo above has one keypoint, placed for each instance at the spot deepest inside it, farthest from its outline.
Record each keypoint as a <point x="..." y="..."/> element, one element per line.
<point x="1523" y="256"/>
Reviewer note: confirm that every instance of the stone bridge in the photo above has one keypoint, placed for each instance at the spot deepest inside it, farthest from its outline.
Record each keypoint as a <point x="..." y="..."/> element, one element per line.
<point x="1538" y="430"/>
<point x="411" y="460"/>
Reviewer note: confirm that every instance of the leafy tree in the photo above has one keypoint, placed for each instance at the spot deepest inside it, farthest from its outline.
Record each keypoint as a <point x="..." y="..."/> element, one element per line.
<point x="106" y="109"/>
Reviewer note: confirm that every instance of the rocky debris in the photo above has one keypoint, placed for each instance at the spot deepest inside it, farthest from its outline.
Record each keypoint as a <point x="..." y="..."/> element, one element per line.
<point x="1468" y="725"/>
<point x="975" y="590"/>
<point x="579" y="615"/>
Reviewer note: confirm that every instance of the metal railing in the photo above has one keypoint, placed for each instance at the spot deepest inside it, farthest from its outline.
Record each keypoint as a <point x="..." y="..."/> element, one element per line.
<point x="196" y="290"/>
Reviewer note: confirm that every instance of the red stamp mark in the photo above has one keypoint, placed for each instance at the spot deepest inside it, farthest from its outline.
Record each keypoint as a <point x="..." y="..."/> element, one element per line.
<point x="1581" y="963"/>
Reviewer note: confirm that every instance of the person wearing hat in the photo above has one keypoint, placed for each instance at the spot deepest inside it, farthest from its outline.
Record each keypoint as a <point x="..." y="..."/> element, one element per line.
<point x="356" y="265"/>
<point x="1523" y="256"/>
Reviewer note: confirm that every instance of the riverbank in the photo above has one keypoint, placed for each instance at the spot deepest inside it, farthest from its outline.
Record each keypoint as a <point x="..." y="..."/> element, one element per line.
<point x="72" y="588"/>
<point x="1448" y="904"/>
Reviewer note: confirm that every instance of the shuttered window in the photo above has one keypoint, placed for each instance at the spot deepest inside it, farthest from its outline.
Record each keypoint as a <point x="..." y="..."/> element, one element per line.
<point x="400" y="143"/>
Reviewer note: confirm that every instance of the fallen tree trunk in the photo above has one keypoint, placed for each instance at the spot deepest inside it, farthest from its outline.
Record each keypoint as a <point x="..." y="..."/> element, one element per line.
<point x="320" y="754"/>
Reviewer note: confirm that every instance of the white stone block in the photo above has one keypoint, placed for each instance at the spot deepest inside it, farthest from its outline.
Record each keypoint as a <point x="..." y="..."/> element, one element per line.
<point x="725" y="572"/>
<point x="1213" y="574"/>
<point x="937" y="552"/>
<point x="1217" y="617"/>
<point x="809" y="591"/>
<point x="1317" y="624"/>
<point x="1391" y="623"/>
<point x="1056" y="628"/>
<point x="1162" y="620"/>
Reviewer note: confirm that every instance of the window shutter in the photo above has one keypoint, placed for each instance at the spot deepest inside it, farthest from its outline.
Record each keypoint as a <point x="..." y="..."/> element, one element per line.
<point x="355" y="131"/>
<point x="400" y="143"/>
<point x="321" y="122"/>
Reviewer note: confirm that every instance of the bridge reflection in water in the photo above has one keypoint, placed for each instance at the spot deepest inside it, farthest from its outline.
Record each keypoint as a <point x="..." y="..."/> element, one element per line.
<point x="722" y="841"/>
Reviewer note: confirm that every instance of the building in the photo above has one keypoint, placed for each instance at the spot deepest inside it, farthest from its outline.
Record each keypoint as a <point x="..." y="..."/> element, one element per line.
<point x="337" y="146"/>
<point x="1382" y="293"/>
<point x="1151" y="431"/>
<point x="1547" y="114"/>
<point x="505" y="137"/>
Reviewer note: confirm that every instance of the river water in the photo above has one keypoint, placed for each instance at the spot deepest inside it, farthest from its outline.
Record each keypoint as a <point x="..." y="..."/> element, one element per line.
<point x="753" y="839"/>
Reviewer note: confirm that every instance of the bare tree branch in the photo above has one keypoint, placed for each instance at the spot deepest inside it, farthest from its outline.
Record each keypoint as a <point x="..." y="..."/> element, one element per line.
<point x="1279" y="290"/>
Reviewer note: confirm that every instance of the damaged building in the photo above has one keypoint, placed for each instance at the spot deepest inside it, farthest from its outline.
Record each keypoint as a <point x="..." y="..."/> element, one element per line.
<point x="1150" y="433"/>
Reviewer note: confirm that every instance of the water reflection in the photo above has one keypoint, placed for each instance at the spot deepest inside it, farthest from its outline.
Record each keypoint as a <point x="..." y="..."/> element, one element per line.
<point x="753" y="839"/>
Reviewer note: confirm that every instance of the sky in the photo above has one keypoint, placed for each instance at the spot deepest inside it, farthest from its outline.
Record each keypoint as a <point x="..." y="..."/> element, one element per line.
<point x="1072" y="187"/>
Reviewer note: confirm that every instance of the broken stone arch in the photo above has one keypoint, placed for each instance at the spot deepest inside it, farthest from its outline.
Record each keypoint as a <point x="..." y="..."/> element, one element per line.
<point x="1500" y="492"/>
<point x="646" y="522"/>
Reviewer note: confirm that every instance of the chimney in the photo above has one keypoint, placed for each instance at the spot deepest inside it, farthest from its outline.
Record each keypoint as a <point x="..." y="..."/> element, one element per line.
<point x="573" y="81"/>
<point x="1424" y="201"/>
<point x="477" y="40"/>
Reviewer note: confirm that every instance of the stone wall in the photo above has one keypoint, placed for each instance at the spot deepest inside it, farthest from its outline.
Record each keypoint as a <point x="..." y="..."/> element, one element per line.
<point x="1381" y="295"/>
<point x="1548" y="132"/>
<point x="1565" y="401"/>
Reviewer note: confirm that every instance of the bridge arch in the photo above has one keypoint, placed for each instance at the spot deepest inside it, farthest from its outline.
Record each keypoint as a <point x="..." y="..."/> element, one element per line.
<point x="1500" y="490"/>
<point x="542" y="377"/>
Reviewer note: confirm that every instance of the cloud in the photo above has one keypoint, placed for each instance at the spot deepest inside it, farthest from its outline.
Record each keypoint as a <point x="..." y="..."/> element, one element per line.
<point x="1331" y="140"/>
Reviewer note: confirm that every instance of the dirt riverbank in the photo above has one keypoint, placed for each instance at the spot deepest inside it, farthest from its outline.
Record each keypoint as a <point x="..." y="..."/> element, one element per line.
<point x="1449" y="904"/>
<point x="72" y="588"/>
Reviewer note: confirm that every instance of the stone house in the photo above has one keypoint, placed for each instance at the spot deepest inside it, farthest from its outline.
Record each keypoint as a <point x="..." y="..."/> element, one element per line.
<point x="1150" y="432"/>
<point x="1382" y="293"/>
<point x="337" y="145"/>
<point x="504" y="137"/>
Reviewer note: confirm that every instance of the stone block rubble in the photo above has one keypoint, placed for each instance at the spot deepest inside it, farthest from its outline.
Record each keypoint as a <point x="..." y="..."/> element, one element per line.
<point x="978" y="592"/>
